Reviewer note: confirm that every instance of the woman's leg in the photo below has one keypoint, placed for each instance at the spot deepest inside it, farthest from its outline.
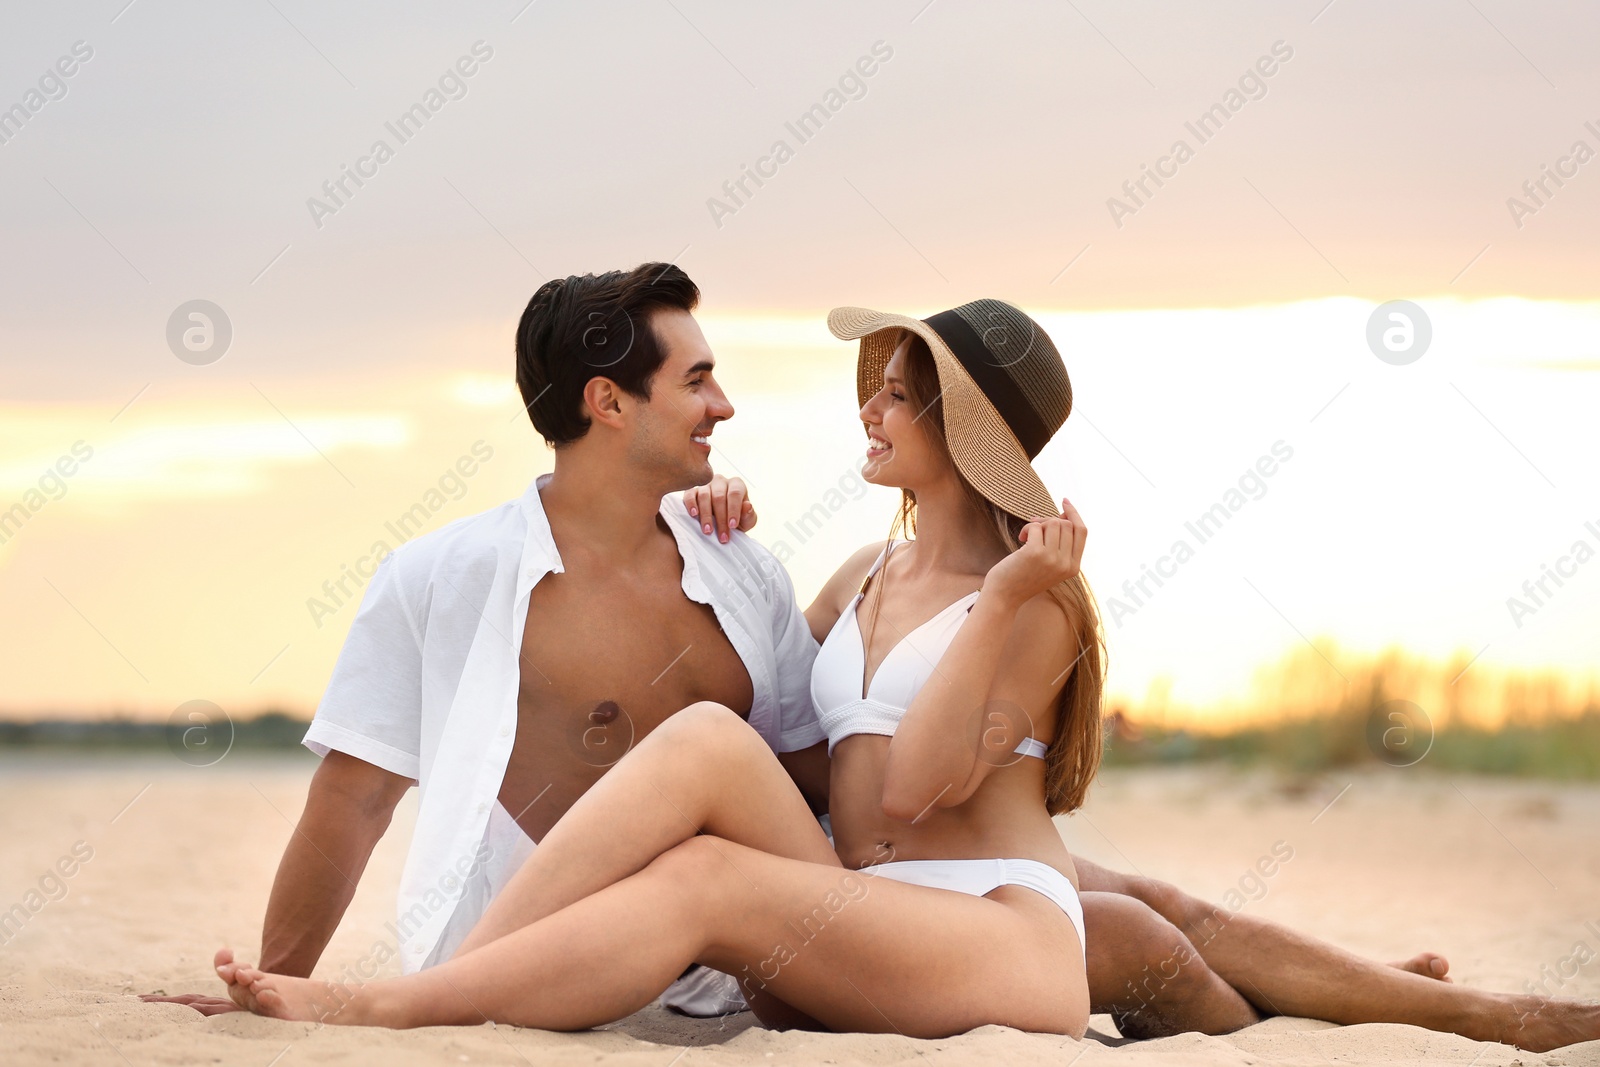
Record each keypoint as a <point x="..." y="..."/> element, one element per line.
<point x="853" y="951"/>
<point x="702" y="770"/>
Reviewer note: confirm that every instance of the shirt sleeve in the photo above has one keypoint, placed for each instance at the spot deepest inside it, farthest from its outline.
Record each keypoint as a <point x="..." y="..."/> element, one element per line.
<point x="796" y="650"/>
<point x="372" y="708"/>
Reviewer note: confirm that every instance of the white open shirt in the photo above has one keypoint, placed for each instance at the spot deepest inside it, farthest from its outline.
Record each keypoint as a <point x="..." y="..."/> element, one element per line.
<point x="426" y="685"/>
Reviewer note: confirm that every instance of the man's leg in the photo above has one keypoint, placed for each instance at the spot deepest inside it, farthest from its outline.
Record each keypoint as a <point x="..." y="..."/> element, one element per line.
<point x="1282" y="972"/>
<point x="1147" y="976"/>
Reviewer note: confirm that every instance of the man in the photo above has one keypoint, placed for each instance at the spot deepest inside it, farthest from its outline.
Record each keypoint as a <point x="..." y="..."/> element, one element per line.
<point x="503" y="662"/>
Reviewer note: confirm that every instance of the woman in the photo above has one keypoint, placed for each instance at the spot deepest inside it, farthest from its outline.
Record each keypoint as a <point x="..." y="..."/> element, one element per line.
<point x="960" y="691"/>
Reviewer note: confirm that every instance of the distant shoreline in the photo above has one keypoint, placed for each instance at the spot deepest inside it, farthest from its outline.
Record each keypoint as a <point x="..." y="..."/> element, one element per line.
<point x="267" y="731"/>
<point x="1563" y="749"/>
<point x="1552" y="748"/>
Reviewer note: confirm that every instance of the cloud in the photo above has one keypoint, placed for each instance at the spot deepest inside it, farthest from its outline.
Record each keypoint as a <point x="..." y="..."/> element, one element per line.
<point x="182" y="459"/>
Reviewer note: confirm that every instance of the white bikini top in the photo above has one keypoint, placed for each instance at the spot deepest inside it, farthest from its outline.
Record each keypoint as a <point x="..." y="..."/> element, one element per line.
<point x="840" y="668"/>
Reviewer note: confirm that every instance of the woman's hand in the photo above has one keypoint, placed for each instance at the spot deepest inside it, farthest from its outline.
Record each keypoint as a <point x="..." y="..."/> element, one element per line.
<point x="1051" y="552"/>
<point x="721" y="505"/>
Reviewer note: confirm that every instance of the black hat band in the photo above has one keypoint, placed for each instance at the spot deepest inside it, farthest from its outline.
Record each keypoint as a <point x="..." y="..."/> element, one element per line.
<point x="999" y="386"/>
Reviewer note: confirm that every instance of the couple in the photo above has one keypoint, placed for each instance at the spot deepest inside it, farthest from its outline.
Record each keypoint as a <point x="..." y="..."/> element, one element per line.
<point x="586" y="669"/>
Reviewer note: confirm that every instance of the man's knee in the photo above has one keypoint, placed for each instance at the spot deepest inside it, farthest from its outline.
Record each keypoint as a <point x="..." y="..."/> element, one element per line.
<point x="1143" y="970"/>
<point x="1130" y="945"/>
<point x="1136" y="955"/>
<point x="1164" y="898"/>
<point x="1171" y="903"/>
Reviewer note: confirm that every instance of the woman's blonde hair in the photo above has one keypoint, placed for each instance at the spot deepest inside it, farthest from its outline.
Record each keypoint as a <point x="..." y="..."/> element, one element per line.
<point x="1074" y="753"/>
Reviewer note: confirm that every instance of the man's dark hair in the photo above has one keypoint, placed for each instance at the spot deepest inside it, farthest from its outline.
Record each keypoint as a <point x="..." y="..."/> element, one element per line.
<point x="593" y="326"/>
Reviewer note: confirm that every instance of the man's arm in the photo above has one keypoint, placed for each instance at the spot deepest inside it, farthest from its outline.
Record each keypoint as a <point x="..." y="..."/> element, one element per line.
<point x="347" y="810"/>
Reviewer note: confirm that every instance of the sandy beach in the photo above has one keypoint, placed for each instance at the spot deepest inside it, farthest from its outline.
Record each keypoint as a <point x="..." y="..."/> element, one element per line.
<point x="168" y="862"/>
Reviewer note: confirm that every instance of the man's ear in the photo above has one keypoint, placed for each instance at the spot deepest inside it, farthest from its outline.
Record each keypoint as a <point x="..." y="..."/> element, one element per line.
<point x="602" y="398"/>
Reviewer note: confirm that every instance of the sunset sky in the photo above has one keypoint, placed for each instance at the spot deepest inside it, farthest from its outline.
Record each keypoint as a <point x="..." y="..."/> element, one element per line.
<point x="1430" y="154"/>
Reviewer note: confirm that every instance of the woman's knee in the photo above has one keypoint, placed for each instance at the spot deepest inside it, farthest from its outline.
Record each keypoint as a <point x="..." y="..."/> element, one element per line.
<point x="690" y="880"/>
<point x="710" y="728"/>
<point x="699" y="867"/>
<point x="703" y="720"/>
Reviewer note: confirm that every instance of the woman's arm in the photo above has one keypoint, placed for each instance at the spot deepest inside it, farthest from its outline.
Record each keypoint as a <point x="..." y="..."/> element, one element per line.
<point x="971" y="714"/>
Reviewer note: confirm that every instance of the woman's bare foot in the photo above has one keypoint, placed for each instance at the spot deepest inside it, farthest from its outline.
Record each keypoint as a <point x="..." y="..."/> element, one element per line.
<point x="282" y="997"/>
<point x="1427" y="964"/>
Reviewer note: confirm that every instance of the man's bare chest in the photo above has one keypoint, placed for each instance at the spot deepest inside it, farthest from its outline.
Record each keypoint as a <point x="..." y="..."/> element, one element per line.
<point x="598" y="672"/>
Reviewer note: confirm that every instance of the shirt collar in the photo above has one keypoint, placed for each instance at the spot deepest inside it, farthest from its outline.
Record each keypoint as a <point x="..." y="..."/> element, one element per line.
<point x="690" y="544"/>
<point x="539" y="553"/>
<point x="540" y="556"/>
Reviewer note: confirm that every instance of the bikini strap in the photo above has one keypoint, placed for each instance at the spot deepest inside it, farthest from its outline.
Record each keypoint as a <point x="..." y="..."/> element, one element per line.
<point x="877" y="565"/>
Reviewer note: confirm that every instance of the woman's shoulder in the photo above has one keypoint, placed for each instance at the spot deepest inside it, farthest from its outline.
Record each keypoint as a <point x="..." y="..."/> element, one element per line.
<point x="846" y="581"/>
<point x="838" y="590"/>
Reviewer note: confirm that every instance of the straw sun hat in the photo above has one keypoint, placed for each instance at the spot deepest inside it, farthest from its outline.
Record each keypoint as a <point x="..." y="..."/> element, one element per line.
<point x="1004" y="387"/>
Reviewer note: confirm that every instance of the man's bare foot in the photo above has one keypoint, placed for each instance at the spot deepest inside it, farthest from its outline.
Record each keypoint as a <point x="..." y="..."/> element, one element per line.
<point x="1545" y="1023"/>
<point x="1427" y="964"/>
<point x="280" y="996"/>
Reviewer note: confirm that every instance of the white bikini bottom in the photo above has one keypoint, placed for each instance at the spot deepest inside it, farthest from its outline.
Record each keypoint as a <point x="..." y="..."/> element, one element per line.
<point x="979" y="877"/>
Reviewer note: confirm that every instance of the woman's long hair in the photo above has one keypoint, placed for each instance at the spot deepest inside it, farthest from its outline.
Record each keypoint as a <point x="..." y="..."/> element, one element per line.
<point x="1074" y="753"/>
